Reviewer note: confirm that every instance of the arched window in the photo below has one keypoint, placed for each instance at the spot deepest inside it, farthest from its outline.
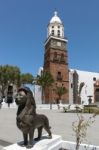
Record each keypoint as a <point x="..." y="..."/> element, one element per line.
<point x="55" y="54"/>
<point x="97" y="95"/>
<point x="59" y="76"/>
<point x="58" y="33"/>
<point x="55" y="58"/>
<point x="97" y="90"/>
<point x="52" y="32"/>
<point x="62" y="58"/>
<point x="94" y="78"/>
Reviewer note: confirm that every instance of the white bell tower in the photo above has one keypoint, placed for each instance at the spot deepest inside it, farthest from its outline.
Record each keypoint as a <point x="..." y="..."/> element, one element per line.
<point x="55" y="27"/>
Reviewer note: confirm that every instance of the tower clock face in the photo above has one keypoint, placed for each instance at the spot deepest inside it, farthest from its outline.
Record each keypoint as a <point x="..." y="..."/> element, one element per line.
<point x="58" y="43"/>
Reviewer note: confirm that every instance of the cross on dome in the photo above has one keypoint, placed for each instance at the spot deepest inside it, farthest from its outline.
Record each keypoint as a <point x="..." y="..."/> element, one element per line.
<point x="55" y="18"/>
<point x="55" y="13"/>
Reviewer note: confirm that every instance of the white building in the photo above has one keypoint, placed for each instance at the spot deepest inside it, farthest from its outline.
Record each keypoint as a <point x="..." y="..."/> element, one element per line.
<point x="90" y="79"/>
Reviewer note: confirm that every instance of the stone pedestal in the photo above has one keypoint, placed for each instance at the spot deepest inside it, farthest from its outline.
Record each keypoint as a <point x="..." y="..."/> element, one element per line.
<point x="44" y="144"/>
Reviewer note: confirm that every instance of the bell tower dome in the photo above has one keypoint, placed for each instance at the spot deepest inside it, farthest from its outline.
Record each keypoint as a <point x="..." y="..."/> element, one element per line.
<point x="56" y="60"/>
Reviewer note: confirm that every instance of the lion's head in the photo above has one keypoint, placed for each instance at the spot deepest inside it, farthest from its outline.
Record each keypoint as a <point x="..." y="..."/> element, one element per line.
<point x="25" y="97"/>
<point x="21" y="98"/>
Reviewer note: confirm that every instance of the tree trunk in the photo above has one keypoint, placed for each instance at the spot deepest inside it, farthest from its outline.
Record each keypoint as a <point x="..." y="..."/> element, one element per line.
<point x="77" y="143"/>
<point x="79" y="99"/>
<point x="43" y="96"/>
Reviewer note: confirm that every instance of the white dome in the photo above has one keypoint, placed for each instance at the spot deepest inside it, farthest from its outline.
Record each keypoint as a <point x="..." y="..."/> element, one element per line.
<point x="55" y="18"/>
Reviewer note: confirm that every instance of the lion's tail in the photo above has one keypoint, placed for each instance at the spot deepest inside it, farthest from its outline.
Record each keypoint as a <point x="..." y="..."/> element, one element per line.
<point x="47" y="123"/>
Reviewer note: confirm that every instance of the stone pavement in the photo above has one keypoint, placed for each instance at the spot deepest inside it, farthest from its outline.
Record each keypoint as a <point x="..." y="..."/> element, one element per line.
<point x="60" y="122"/>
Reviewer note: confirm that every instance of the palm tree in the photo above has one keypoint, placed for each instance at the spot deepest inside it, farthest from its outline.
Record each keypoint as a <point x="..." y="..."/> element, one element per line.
<point x="79" y="91"/>
<point x="26" y="78"/>
<point x="44" y="80"/>
<point x="60" y="90"/>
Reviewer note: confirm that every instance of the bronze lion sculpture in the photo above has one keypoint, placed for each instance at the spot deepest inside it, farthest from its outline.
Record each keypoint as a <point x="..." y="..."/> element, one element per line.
<point x="27" y="119"/>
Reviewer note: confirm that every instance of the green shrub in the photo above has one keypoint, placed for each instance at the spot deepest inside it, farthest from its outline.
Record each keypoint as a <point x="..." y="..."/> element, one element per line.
<point x="91" y="110"/>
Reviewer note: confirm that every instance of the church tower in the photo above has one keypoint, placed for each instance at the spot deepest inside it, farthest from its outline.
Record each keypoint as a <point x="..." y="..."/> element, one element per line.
<point x="56" y="60"/>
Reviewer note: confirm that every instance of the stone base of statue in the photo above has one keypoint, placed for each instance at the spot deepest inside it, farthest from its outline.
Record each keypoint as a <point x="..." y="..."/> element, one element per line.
<point x="43" y="144"/>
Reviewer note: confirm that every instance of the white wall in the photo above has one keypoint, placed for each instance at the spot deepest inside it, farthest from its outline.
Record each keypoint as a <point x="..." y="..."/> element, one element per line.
<point x="88" y="89"/>
<point x="38" y="94"/>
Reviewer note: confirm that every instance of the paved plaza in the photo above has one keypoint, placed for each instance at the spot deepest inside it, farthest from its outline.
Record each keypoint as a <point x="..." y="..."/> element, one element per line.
<point x="61" y="124"/>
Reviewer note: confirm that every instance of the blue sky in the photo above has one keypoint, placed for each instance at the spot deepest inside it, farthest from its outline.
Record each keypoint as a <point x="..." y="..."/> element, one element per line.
<point x="23" y="30"/>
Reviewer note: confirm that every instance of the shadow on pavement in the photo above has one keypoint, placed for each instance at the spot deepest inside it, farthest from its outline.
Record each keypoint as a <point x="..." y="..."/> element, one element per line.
<point x="5" y="143"/>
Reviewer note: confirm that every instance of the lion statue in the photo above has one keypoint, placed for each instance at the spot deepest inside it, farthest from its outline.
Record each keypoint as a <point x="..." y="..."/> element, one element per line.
<point x="27" y="119"/>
